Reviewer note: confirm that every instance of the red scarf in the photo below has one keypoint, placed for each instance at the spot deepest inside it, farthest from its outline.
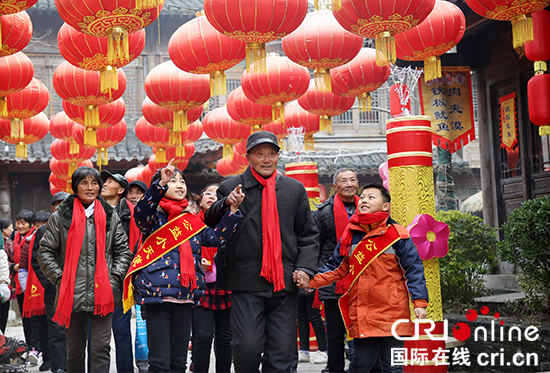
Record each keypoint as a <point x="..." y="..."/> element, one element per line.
<point x="135" y="233"/>
<point x="188" y="276"/>
<point x="272" y="260"/>
<point x="17" y="244"/>
<point x="341" y="218"/>
<point x="355" y="223"/>
<point x="103" y="293"/>
<point x="34" y="293"/>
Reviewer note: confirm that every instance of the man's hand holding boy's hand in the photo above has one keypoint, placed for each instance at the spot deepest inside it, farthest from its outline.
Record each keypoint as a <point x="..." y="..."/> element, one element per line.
<point x="301" y="279"/>
<point x="420" y="313"/>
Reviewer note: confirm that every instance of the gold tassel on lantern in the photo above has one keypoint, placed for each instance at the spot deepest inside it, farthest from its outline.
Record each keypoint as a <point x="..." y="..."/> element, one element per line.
<point x="17" y="128"/>
<point x="160" y="153"/>
<point x="385" y="44"/>
<point x="257" y="128"/>
<point x="432" y="68"/>
<point x="180" y="151"/>
<point x="174" y="138"/>
<point x="102" y="157"/>
<point x="90" y="137"/>
<point x="336" y="5"/>
<point x="91" y="116"/>
<point x="109" y="79"/>
<point x="322" y="80"/>
<point x="325" y="124"/>
<point x="180" y="121"/>
<point x="539" y="66"/>
<point x="117" y="46"/>
<point x="522" y="30"/>
<point x="74" y="148"/>
<point x="21" y="150"/>
<point x="218" y="83"/>
<point x="69" y="189"/>
<point x="365" y="102"/>
<point x="146" y="4"/>
<point x="255" y="55"/>
<point x="228" y="150"/>
<point x="3" y="106"/>
<point x="278" y="111"/>
<point x="72" y="169"/>
<point x="544" y="130"/>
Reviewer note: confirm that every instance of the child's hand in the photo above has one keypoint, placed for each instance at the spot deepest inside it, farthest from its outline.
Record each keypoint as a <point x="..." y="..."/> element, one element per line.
<point x="420" y="313"/>
<point x="205" y="263"/>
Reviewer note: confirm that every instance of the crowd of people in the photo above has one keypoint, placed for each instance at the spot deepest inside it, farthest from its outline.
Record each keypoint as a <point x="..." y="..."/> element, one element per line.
<point x="234" y="267"/>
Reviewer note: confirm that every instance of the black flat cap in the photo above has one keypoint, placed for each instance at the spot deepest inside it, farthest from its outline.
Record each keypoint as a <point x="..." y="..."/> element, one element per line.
<point x="59" y="196"/>
<point x="123" y="182"/>
<point x="140" y="184"/>
<point x="261" y="137"/>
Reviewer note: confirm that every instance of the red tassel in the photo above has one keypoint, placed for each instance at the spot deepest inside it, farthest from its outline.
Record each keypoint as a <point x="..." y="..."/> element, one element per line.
<point x="317" y="302"/>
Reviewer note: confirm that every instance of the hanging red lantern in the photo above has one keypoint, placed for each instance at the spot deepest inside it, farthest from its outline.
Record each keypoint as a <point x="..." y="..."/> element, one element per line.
<point x="246" y="111"/>
<point x="517" y="12"/>
<point x="439" y="32"/>
<point x="54" y="189"/>
<point x="220" y="127"/>
<point x="171" y="155"/>
<point x="360" y="77"/>
<point x="324" y="104"/>
<point x="89" y="52"/>
<point x="255" y="22"/>
<point x="177" y="90"/>
<point x="193" y="133"/>
<point x="298" y="117"/>
<point x="225" y="167"/>
<point x="61" y="127"/>
<point x="538" y="96"/>
<point x="283" y="81"/>
<point x="15" y="32"/>
<point x="198" y="48"/>
<point x="538" y="50"/>
<point x="83" y="88"/>
<point x="61" y="150"/>
<point x="16" y="71"/>
<point x="24" y="104"/>
<point x="146" y="175"/>
<point x="381" y="20"/>
<point x="321" y="44"/>
<point x="61" y="169"/>
<point x="106" y="137"/>
<point x="58" y="184"/>
<point x="36" y="128"/>
<point x="11" y="6"/>
<point x="109" y="114"/>
<point x="153" y="136"/>
<point x="240" y="147"/>
<point x="110" y="19"/>
<point x="278" y="128"/>
<point x="240" y="162"/>
<point x="132" y="173"/>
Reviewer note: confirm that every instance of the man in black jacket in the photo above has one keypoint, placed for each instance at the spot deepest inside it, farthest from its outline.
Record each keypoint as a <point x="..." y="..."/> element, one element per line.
<point x="341" y="207"/>
<point x="266" y="259"/>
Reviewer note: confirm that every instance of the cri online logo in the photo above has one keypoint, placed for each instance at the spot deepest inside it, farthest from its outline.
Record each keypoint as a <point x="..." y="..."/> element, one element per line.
<point x="462" y="331"/>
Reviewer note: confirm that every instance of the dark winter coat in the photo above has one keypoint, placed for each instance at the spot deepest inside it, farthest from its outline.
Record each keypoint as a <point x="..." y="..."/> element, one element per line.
<point x="51" y="254"/>
<point x="298" y="233"/>
<point x="161" y="278"/>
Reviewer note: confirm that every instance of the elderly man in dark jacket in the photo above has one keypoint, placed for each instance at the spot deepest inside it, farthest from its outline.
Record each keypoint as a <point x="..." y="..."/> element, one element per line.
<point x="266" y="259"/>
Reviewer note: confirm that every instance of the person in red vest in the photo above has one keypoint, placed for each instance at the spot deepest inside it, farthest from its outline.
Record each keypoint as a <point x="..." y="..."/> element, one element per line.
<point x="381" y="269"/>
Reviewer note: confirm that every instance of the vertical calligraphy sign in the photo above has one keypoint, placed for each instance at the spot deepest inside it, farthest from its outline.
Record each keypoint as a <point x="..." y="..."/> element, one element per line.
<point x="448" y="102"/>
<point x="508" y="127"/>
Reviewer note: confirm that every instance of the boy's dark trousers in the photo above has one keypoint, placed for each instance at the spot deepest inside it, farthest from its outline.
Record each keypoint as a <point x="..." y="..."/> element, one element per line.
<point x="56" y="334"/>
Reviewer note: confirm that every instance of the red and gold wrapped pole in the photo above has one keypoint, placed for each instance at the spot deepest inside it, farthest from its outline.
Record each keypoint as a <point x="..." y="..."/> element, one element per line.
<point x="308" y="174"/>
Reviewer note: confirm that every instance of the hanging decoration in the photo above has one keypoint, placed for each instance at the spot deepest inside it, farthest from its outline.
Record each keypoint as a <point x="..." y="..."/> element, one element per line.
<point x="61" y="127"/>
<point x="438" y="33"/>
<point x="220" y="127"/>
<point x="296" y="117"/>
<point x="255" y="23"/>
<point x="57" y="184"/>
<point x="508" y="121"/>
<point x="430" y="237"/>
<point x="279" y="129"/>
<point x="35" y="128"/>
<point x="12" y="6"/>
<point x="198" y="48"/>
<point x="17" y="72"/>
<point x="193" y="133"/>
<point x="247" y="112"/>
<point x="15" y="32"/>
<point x="321" y="44"/>
<point x="61" y="150"/>
<point x="106" y="137"/>
<point x="153" y="136"/>
<point x="61" y="169"/>
<point x="538" y="50"/>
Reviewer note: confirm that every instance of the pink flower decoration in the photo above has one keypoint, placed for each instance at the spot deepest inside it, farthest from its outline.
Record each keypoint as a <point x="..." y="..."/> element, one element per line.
<point x="431" y="237"/>
<point x="384" y="172"/>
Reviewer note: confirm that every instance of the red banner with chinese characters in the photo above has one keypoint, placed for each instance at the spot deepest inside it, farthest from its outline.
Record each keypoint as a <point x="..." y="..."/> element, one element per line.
<point x="448" y="102"/>
<point x="508" y="124"/>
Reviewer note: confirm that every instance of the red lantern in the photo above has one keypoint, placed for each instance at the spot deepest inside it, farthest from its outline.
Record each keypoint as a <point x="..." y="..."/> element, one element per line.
<point x="225" y="167"/>
<point x="177" y="90"/>
<point x="36" y="128"/>
<point x="15" y="32"/>
<point x="61" y="169"/>
<point x="240" y="147"/>
<point x="437" y="34"/>
<point x="153" y="136"/>
<point x="517" y="12"/>
<point x="109" y="114"/>
<point x="110" y="19"/>
<point x="24" y="104"/>
<point x="278" y="128"/>
<point x="132" y="173"/>
<point x="298" y="117"/>
<point x="360" y="77"/>
<point x="321" y="44"/>
<point x="146" y="175"/>
<point x="16" y="71"/>
<point x="198" y="48"/>
<point x="90" y="53"/>
<point x="61" y="127"/>
<point x="194" y="132"/>
<point x="171" y="154"/>
<point x="54" y="189"/>
<point x="282" y="82"/>
<point x="220" y="127"/>
<point x="106" y="137"/>
<point x="61" y="150"/>
<point x="255" y="22"/>
<point x="538" y="96"/>
<point x="58" y="184"/>
<point x="11" y="6"/>
<point x="325" y="104"/>
<point x="381" y="20"/>
<point x="538" y="50"/>
<point x="246" y="111"/>
<point x="240" y="162"/>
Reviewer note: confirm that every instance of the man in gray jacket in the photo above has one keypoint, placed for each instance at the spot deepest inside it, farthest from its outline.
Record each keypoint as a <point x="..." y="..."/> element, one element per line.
<point x="273" y="252"/>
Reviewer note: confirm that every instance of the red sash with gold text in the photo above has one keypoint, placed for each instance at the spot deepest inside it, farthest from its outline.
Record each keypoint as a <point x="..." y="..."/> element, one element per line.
<point x="166" y="238"/>
<point x="364" y="254"/>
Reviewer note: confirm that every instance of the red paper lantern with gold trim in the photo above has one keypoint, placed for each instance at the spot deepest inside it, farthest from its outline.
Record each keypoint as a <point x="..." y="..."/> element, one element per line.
<point x="109" y="114"/>
<point x="36" y="128"/>
<point x="146" y="175"/>
<point x="61" y="127"/>
<point x="298" y="117"/>
<point x="15" y="33"/>
<point x="360" y="77"/>
<point x="247" y="112"/>
<point x="90" y="53"/>
<point x="325" y="104"/>
<point x="255" y="22"/>
<point x="437" y="34"/>
<point x="225" y="167"/>
<point x="61" y="150"/>
<point x="11" y="6"/>
<point x="16" y="71"/>
<point x="110" y="19"/>
<point x="132" y="173"/>
<point x="283" y="81"/>
<point x="220" y="127"/>
<point x="240" y="162"/>
<point x="177" y="90"/>
<point x="171" y="154"/>
<point x="193" y="133"/>
<point x="321" y="44"/>
<point x="538" y="50"/>
<point x="538" y="97"/>
<point x="54" y="189"/>
<point x="61" y="169"/>
<point x="240" y="147"/>
<point x="153" y="136"/>
<point x="198" y="48"/>
<point x="106" y="137"/>
<point x="278" y="128"/>
<point x="517" y="12"/>
<point x="58" y="184"/>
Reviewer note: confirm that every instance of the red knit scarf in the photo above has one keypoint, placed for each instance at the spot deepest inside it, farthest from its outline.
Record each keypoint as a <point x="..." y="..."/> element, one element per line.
<point x="355" y="223"/>
<point x="135" y="233"/>
<point x="33" y="304"/>
<point x="103" y="294"/>
<point x="17" y="244"/>
<point x="272" y="260"/>
<point x="187" y="263"/>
